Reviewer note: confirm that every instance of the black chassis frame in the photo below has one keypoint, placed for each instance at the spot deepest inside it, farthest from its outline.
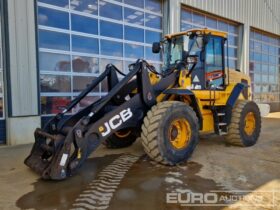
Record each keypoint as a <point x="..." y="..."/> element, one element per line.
<point x="63" y="144"/>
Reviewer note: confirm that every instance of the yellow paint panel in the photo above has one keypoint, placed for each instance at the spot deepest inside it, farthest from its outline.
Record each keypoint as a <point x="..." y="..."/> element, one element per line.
<point x="208" y="123"/>
<point x="184" y="81"/>
<point x="154" y="79"/>
<point x="236" y="77"/>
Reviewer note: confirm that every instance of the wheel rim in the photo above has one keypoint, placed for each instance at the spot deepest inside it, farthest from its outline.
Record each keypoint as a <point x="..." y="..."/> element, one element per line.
<point x="123" y="133"/>
<point x="179" y="133"/>
<point x="250" y="123"/>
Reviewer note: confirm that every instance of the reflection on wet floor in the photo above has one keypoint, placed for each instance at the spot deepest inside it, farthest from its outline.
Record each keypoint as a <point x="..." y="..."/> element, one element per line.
<point x="48" y="195"/>
<point x="100" y="191"/>
<point x="144" y="186"/>
<point x="147" y="183"/>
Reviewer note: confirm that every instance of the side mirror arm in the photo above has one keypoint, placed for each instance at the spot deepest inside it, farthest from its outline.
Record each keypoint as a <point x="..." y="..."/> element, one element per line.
<point x="191" y="70"/>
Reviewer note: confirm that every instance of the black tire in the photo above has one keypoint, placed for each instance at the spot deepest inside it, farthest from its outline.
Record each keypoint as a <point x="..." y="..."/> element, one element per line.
<point x="236" y="130"/>
<point x="116" y="141"/>
<point x="156" y="131"/>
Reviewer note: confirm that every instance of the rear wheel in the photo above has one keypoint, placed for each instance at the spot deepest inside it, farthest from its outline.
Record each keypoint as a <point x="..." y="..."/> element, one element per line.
<point x="245" y="126"/>
<point x="121" y="139"/>
<point x="170" y="132"/>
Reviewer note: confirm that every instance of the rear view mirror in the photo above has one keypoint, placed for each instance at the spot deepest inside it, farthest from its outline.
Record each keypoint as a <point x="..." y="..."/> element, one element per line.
<point x="156" y="47"/>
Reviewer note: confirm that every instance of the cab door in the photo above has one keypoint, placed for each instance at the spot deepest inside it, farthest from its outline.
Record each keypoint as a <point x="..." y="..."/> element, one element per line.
<point x="214" y="63"/>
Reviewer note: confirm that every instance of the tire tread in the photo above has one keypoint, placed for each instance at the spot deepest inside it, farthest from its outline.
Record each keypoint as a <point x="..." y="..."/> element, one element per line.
<point x="150" y="126"/>
<point x="233" y="136"/>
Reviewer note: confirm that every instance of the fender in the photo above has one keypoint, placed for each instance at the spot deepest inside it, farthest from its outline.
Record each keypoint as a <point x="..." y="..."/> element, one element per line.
<point x="238" y="88"/>
<point x="194" y="103"/>
<point x="176" y="91"/>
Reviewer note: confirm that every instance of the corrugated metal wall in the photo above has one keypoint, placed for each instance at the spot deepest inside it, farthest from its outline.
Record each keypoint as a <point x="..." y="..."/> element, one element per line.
<point x="256" y="13"/>
<point x="22" y="58"/>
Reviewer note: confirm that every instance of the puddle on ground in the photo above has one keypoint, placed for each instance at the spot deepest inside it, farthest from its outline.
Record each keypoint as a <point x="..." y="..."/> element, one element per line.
<point x="145" y="186"/>
<point x="49" y="195"/>
<point x="147" y="183"/>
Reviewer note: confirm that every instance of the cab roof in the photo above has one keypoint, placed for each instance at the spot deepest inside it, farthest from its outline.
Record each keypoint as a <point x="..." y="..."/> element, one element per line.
<point x="201" y="31"/>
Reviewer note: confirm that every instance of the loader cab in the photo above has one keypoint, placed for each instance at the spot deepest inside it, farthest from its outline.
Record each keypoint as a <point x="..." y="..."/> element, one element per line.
<point x="207" y="46"/>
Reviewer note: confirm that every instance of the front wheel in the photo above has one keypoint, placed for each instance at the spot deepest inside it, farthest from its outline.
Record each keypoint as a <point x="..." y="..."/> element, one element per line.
<point x="170" y="132"/>
<point x="245" y="126"/>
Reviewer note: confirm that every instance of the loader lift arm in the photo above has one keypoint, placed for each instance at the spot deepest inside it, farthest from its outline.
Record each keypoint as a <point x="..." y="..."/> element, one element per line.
<point x="63" y="145"/>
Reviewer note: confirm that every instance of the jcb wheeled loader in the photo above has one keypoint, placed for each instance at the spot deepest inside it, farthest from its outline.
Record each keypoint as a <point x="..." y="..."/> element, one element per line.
<point x="195" y="91"/>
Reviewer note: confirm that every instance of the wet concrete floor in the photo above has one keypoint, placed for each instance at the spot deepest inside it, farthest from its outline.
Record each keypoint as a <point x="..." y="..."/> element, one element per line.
<point x="144" y="187"/>
<point x="214" y="166"/>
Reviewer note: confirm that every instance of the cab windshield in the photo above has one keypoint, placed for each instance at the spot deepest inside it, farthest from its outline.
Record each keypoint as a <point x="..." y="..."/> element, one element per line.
<point x="176" y="48"/>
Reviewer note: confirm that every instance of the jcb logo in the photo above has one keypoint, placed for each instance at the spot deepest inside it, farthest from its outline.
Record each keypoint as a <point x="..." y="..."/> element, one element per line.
<point x="115" y="122"/>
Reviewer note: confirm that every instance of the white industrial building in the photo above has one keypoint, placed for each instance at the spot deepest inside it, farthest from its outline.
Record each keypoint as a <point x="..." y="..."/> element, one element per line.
<point x="51" y="49"/>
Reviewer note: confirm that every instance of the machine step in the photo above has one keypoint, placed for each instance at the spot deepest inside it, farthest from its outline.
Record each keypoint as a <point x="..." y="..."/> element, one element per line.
<point x="222" y="124"/>
<point x="222" y="133"/>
